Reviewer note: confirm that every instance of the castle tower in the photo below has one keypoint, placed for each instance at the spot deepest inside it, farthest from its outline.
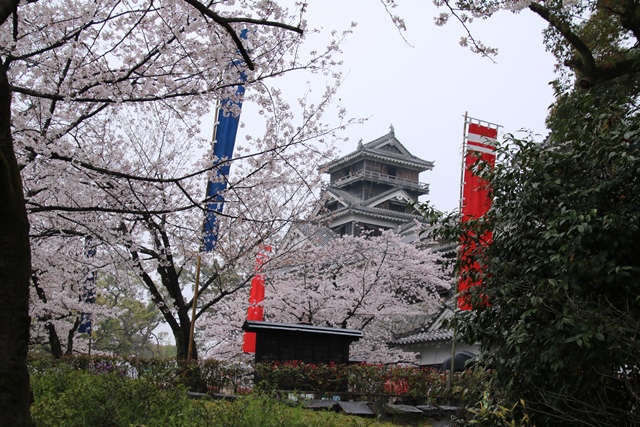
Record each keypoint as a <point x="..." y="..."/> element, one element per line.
<point x="371" y="188"/>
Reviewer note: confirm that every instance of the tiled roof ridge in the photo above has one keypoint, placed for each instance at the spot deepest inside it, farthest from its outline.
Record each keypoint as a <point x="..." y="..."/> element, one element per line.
<point x="386" y="213"/>
<point x="347" y="197"/>
<point x="424" y="337"/>
<point x="387" y="155"/>
<point x="385" y="194"/>
<point x="371" y="149"/>
<point x="383" y="138"/>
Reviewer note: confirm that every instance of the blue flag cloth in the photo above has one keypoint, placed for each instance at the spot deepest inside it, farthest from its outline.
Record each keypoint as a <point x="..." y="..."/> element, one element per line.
<point x="225" y="140"/>
<point x="226" y="132"/>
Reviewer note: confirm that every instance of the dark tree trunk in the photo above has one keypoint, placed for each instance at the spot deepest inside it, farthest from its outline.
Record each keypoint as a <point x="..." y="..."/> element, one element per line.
<point x="15" y="269"/>
<point x="70" y="336"/>
<point x="181" y="335"/>
<point x="182" y="344"/>
<point x="54" y="341"/>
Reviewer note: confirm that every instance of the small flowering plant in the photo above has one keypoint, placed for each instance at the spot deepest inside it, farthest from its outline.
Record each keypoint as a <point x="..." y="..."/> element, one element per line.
<point x="355" y="380"/>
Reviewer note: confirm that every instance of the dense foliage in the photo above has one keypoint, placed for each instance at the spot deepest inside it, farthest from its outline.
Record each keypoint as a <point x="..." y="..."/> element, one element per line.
<point x="368" y="382"/>
<point x="206" y="375"/>
<point x="350" y="382"/>
<point x="66" y="398"/>
<point x="103" y="391"/>
<point x="558" y="309"/>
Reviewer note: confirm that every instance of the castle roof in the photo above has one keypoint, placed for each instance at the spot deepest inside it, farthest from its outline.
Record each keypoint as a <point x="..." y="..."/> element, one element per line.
<point x="352" y="204"/>
<point x="387" y="148"/>
<point x="433" y="332"/>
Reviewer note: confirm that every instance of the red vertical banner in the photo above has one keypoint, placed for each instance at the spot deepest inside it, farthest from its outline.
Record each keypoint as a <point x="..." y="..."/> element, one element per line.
<point x="256" y="296"/>
<point x="480" y="142"/>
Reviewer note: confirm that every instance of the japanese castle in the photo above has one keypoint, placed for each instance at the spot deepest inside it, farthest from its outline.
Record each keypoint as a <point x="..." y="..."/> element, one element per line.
<point x="372" y="188"/>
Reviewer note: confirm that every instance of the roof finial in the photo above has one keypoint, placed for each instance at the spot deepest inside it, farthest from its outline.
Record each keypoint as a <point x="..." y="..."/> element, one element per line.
<point x="360" y="143"/>
<point x="392" y="131"/>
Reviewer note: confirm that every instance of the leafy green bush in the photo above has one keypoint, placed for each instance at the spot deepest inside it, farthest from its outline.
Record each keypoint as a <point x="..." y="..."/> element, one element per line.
<point x="295" y="375"/>
<point x="416" y="385"/>
<point x="202" y="375"/>
<point x="354" y="382"/>
<point x="68" y="397"/>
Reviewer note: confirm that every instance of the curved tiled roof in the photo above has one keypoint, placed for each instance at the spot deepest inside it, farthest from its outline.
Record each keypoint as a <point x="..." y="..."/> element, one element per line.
<point x="399" y="217"/>
<point x="370" y="149"/>
<point x="385" y="194"/>
<point x="344" y="196"/>
<point x="353" y="200"/>
<point x="356" y="205"/>
<point x="425" y="337"/>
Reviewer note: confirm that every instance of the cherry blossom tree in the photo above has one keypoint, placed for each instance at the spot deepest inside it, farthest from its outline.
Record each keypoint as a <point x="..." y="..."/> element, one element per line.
<point x="66" y="66"/>
<point x="371" y="284"/>
<point x="61" y="276"/>
<point x="151" y="228"/>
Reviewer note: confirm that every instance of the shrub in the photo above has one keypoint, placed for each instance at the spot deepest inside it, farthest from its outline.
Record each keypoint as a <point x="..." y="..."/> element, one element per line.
<point x="68" y="397"/>
<point x="201" y="375"/>
<point x="361" y="380"/>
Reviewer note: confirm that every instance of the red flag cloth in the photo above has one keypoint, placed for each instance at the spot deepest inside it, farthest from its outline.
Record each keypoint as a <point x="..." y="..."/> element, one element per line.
<point x="256" y="296"/>
<point x="249" y="344"/>
<point x="476" y="201"/>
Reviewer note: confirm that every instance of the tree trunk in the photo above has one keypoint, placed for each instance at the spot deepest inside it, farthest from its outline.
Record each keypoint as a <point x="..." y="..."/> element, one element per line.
<point x="182" y="341"/>
<point x="182" y="344"/>
<point x="15" y="268"/>
<point x="54" y="341"/>
<point x="70" y="336"/>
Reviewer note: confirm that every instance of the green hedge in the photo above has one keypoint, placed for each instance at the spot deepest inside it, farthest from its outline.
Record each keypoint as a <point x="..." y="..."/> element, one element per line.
<point x="202" y="375"/>
<point x="350" y="382"/>
<point x="68" y="397"/>
<point x="366" y="381"/>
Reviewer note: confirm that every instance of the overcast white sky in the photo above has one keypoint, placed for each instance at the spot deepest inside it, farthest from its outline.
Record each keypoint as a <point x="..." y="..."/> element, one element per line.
<point x="424" y="91"/>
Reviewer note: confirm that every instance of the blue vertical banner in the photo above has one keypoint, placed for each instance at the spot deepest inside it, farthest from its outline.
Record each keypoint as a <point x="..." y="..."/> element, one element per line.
<point x="225" y="132"/>
<point x="88" y="287"/>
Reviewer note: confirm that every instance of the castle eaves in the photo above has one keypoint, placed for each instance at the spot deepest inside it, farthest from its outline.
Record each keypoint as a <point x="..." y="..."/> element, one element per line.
<point x="373" y="150"/>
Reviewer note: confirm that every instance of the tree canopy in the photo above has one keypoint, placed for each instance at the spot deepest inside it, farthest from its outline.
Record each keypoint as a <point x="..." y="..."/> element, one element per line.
<point x="557" y="312"/>
<point x="595" y="40"/>
<point x="67" y="70"/>
<point x="373" y="284"/>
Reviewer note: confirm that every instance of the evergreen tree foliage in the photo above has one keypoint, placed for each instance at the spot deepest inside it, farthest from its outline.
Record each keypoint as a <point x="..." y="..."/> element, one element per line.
<point x="559" y="306"/>
<point x="558" y="309"/>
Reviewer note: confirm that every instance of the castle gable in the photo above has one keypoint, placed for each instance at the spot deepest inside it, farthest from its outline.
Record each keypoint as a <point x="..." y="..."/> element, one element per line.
<point x="395" y="195"/>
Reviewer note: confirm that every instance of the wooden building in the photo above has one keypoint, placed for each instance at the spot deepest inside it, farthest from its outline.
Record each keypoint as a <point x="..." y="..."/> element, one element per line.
<point x="282" y="342"/>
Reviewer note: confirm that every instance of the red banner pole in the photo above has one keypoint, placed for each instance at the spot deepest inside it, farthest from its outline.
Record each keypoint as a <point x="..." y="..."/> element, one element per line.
<point x="480" y="143"/>
<point x="256" y="296"/>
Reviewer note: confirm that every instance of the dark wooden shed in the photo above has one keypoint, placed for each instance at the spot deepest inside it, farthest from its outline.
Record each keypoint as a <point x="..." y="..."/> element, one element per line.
<point x="283" y="342"/>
